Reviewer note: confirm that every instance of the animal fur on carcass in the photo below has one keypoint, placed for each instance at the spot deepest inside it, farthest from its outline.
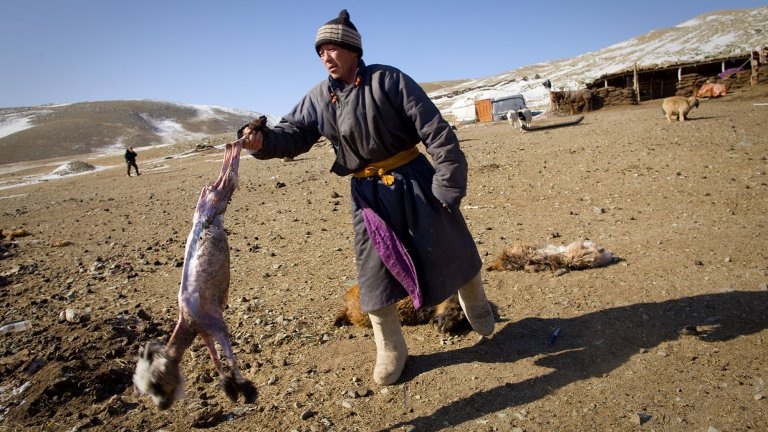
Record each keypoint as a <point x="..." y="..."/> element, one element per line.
<point x="579" y="255"/>
<point x="202" y="299"/>
<point x="447" y="316"/>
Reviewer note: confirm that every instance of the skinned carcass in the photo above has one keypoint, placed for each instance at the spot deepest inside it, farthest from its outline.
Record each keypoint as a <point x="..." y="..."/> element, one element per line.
<point x="202" y="299"/>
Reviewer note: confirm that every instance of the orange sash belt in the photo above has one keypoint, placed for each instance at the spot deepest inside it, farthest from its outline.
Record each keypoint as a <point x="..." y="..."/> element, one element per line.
<point x="383" y="168"/>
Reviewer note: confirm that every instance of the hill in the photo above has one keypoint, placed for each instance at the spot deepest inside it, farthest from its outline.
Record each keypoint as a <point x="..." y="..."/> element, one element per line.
<point x="714" y="35"/>
<point x="34" y="133"/>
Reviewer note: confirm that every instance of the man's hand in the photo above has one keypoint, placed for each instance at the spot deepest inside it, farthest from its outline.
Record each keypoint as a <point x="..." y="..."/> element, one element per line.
<point x="251" y="134"/>
<point x="252" y="141"/>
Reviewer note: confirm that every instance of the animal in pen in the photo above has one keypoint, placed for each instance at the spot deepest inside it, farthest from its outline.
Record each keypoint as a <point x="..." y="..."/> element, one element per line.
<point x="554" y="101"/>
<point x="572" y="98"/>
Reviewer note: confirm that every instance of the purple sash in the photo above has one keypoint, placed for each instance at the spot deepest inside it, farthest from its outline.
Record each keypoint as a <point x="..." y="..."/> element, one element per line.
<point x="393" y="254"/>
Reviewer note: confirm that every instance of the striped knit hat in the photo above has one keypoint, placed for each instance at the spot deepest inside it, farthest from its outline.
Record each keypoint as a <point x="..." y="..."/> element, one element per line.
<point x="341" y="32"/>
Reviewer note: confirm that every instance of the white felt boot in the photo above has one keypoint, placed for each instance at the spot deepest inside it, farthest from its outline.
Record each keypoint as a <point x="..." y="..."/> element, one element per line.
<point x="391" y="350"/>
<point x="476" y="306"/>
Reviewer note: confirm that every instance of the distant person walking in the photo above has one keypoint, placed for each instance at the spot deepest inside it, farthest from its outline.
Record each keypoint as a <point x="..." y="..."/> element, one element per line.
<point x="130" y="160"/>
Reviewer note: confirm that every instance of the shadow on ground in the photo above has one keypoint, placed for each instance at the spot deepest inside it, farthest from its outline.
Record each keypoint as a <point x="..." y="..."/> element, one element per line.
<point x="588" y="346"/>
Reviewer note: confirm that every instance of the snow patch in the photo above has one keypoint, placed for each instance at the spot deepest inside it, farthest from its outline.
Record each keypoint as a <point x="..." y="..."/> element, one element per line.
<point x="690" y="23"/>
<point x="169" y="130"/>
<point x="15" y="122"/>
<point x="73" y="167"/>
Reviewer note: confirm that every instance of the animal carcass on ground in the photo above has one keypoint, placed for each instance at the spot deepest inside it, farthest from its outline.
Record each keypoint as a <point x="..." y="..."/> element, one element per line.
<point x="447" y="316"/>
<point x="577" y="255"/>
<point x="202" y="299"/>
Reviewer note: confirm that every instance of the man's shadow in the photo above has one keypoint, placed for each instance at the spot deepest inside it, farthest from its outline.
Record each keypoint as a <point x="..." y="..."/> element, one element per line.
<point x="588" y="346"/>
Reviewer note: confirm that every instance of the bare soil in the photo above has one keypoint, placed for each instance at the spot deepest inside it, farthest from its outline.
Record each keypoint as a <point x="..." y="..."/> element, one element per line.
<point x="671" y="338"/>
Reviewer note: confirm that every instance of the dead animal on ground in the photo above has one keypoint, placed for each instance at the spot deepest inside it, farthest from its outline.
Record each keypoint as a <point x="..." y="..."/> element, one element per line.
<point x="202" y="299"/>
<point x="14" y="233"/>
<point x="447" y="316"/>
<point x="578" y="255"/>
<point x="571" y="97"/>
<point x="678" y="106"/>
<point x="519" y="117"/>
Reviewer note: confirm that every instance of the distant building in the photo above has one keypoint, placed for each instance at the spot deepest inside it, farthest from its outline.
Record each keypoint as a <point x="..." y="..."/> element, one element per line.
<point x="488" y="110"/>
<point x="656" y="82"/>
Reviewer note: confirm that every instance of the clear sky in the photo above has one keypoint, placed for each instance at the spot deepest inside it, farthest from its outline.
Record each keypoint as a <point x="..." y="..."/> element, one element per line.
<point x="260" y="56"/>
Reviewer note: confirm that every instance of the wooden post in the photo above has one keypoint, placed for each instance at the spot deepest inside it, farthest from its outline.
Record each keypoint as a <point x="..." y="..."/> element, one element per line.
<point x="754" y="61"/>
<point x="636" y="85"/>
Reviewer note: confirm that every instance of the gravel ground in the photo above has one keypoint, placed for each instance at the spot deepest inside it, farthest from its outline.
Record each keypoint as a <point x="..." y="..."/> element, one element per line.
<point x="672" y="337"/>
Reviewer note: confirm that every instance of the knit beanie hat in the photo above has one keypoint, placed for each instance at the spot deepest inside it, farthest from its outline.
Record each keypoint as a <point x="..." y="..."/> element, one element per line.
<point x="340" y="31"/>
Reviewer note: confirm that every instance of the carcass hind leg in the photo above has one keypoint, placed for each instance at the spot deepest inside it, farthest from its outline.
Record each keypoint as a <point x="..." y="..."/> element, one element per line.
<point x="232" y="394"/>
<point x="235" y="383"/>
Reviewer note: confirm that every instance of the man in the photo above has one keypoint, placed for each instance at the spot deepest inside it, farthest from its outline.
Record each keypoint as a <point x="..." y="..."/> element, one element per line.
<point x="130" y="160"/>
<point x="410" y="236"/>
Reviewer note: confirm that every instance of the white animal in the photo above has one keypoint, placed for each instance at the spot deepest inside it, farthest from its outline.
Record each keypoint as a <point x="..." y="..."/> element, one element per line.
<point x="521" y="117"/>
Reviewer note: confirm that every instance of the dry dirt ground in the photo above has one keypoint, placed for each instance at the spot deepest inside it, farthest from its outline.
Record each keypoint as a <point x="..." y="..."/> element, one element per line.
<point x="671" y="338"/>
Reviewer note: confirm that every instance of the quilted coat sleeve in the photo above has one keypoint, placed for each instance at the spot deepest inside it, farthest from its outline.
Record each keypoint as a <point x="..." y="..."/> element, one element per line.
<point x="449" y="185"/>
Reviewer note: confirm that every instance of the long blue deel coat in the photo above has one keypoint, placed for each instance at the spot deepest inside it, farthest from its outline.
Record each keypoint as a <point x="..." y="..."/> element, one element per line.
<point x="384" y="113"/>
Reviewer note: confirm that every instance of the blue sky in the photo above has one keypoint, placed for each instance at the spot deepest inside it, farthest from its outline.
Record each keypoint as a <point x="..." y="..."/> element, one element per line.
<point x="260" y="56"/>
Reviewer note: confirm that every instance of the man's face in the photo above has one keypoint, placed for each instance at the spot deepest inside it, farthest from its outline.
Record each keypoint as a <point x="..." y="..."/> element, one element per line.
<point x="341" y="63"/>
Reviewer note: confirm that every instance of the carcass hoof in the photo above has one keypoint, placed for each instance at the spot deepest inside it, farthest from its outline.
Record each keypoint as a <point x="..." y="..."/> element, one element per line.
<point x="230" y="388"/>
<point x="249" y="391"/>
<point x="233" y="388"/>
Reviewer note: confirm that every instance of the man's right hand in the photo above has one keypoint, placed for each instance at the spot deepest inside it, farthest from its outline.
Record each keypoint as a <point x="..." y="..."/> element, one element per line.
<point x="252" y="141"/>
<point x="251" y="134"/>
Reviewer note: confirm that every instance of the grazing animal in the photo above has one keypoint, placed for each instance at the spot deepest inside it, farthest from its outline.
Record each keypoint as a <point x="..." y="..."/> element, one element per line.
<point x="202" y="299"/>
<point x="447" y="316"/>
<point x="578" y="255"/>
<point x="572" y="97"/>
<point x="679" y="106"/>
<point x="521" y="117"/>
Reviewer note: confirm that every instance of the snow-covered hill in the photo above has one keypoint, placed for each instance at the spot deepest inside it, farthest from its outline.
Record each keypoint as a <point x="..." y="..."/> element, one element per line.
<point x="710" y="36"/>
<point x="33" y="133"/>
